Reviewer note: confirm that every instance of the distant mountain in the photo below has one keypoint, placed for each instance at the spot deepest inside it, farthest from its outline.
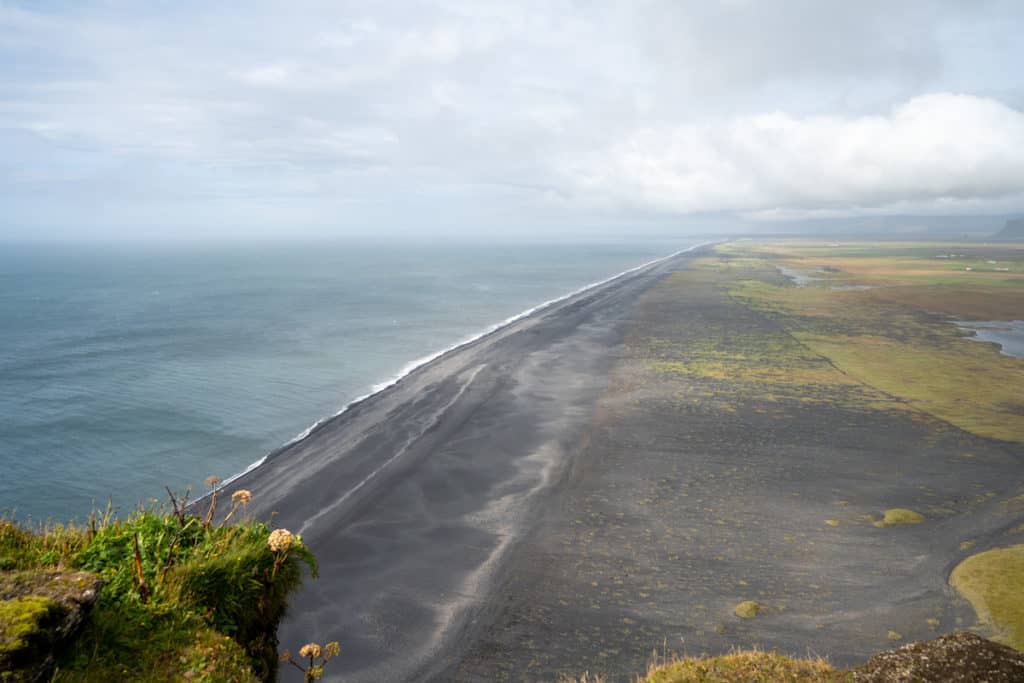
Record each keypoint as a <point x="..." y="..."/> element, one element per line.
<point x="901" y="226"/>
<point x="1012" y="231"/>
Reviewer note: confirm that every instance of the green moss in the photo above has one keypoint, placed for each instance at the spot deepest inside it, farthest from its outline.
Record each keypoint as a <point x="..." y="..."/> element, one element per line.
<point x="992" y="582"/>
<point x="896" y="516"/>
<point x="180" y="599"/>
<point x="750" y="666"/>
<point x="748" y="609"/>
<point x="20" y="618"/>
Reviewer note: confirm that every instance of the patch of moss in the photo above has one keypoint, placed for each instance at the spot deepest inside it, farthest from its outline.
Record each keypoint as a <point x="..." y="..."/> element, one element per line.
<point x="748" y="666"/>
<point x="20" y="618"/>
<point x="992" y="582"/>
<point x="748" y="609"/>
<point x="896" y="516"/>
<point x="181" y="598"/>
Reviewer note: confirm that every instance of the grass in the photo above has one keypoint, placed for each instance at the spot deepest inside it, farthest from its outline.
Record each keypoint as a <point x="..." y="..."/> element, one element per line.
<point x="745" y="666"/>
<point x="895" y="341"/>
<point x="748" y="609"/>
<point x="182" y="598"/>
<point x="897" y="516"/>
<point x="964" y="383"/>
<point x="739" y="666"/>
<point x="770" y="363"/>
<point x="992" y="582"/>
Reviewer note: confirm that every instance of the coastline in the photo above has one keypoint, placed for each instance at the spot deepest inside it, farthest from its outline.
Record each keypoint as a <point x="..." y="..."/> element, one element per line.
<point x="418" y="363"/>
<point x="570" y="489"/>
<point x="413" y="498"/>
<point x="627" y="466"/>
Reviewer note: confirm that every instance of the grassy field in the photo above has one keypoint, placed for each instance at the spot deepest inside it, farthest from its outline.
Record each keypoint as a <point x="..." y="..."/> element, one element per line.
<point x="880" y="317"/>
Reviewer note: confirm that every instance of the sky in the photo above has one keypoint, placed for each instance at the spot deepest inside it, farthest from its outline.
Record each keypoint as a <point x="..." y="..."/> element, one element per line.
<point x="253" y="120"/>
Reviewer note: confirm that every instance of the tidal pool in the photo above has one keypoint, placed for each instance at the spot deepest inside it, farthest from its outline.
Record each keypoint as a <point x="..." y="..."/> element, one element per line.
<point x="1009" y="334"/>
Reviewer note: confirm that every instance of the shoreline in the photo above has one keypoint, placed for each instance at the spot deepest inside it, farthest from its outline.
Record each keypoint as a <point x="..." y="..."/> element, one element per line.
<point x="625" y="466"/>
<point x="423" y="361"/>
<point x="419" y="494"/>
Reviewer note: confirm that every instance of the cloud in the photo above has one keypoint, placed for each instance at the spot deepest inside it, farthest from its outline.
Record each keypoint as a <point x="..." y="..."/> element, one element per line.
<point x="942" y="148"/>
<point x="472" y="111"/>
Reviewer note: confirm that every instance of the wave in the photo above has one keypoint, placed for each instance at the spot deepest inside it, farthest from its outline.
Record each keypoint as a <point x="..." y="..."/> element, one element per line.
<point x="412" y="366"/>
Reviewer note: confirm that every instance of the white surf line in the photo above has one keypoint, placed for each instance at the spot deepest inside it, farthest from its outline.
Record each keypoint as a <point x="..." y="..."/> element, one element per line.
<point x="420" y="362"/>
<point x="399" y="453"/>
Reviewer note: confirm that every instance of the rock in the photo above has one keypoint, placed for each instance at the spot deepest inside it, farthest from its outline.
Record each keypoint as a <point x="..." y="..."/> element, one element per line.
<point x="952" y="658"/>
<point x="40" y="611"/>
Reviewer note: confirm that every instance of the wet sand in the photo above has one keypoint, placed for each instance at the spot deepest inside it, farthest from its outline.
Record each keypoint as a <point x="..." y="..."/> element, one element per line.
<point x="538" y="502"/>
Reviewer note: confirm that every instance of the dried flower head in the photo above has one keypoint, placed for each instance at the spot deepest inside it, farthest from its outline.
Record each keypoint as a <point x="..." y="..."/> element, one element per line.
<point x="242" y="496"/>
<point x="311" y="650"/>
<point x="280" y="540"/>
<point x="332" y="649"/>
<point x="213" y="481"/>
<point x="315" y="673"/>
<point x="286" y="656"/>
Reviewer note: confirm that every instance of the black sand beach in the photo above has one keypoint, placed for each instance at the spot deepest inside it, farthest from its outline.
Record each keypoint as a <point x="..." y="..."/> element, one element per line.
<point x="539" y="502"/>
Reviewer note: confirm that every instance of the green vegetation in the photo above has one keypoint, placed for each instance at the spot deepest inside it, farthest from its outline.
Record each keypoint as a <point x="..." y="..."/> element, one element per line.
<point x="748" y="609"/>
<point x="768" y="362"/>
<point x="888" y="342"/>
<point x="182" y="598"/>
<point x="992" y="582"/>
<point x="747" y="666"/>
<point x="897" y="516"/>
<point x="20" y="617"/>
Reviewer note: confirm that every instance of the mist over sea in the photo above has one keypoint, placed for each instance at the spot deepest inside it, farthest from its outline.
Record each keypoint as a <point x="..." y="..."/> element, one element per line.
<point x="127" y="368"/>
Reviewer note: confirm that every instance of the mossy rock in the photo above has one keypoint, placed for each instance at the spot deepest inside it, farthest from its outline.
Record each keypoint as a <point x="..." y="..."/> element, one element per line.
<point x="897" y="516"/>
<point x="20" y="619"/>
<point x="39" y="612"/>
<point x="748" y="609"/>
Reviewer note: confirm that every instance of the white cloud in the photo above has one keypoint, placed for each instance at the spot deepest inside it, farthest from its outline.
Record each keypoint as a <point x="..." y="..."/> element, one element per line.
<point x="943" y="148"/>
<point x="539" y="108"/>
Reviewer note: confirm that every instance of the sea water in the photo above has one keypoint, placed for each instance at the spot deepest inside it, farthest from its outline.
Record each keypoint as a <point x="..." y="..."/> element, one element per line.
<point x="124" y="369"/>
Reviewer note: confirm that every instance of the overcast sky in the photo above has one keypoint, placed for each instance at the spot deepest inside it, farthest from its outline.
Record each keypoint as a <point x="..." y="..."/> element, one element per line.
<point x="256" y="119"/>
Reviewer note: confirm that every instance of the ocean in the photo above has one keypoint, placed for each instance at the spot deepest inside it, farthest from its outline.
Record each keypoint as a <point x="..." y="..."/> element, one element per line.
<point x="128" y="368"/>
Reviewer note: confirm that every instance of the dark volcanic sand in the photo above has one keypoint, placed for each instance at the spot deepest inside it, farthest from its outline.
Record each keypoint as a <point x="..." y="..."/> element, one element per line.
<point x="538" y="503"/>
<point x="414" y="499"/>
